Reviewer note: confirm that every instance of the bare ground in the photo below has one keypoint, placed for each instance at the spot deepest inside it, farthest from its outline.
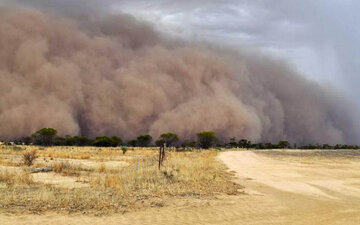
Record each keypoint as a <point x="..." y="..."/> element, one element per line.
<point x="280" y="189"/>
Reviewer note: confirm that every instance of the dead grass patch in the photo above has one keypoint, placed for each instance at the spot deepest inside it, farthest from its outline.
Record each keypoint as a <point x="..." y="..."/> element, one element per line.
<point x="68" y="169"/>
<point x="183" y="174"/>
<point x="15" y="178"/>
<point x="115" y="189"/>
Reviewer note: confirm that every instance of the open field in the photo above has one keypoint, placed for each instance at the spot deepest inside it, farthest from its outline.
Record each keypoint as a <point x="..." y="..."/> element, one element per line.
<point x="281" y="187"/>
<point x="100" y="181"/>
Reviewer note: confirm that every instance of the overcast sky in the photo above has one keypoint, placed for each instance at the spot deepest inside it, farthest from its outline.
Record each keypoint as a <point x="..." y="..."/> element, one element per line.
<point x="321" y="38"/>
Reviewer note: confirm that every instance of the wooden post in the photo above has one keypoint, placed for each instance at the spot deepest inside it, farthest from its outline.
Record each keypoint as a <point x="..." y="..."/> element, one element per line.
<point x="163" y="154"/>
<point x="160" y="156"/>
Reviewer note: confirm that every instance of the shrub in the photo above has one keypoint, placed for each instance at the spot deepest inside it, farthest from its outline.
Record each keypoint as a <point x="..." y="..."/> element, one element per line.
<point x="232" y="143"/>
<point x="58" y="168"/>
<point x="124" y="149"/>
<point x="29" y="157"/>
<point x="105" y="141"/>
<point x="78" y="141"/>
<point x="189" y="144"/>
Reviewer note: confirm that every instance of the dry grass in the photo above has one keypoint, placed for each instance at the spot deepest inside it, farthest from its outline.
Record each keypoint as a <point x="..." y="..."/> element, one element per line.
<point x="68" y="169"/>
<point x="102" y="168"/>
<point x="182" y="174"/>
<point x="115" y="189"/>
<point x="14" y="178"/>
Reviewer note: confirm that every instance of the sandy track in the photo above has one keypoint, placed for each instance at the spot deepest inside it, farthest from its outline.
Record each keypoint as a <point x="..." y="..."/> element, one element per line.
<point x="316" y="179"/>
<point x="278" y="192"/>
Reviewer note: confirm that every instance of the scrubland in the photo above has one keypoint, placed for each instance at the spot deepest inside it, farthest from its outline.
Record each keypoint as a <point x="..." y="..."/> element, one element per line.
<point x="104" y="186"/>
<point x="93" y="180"/>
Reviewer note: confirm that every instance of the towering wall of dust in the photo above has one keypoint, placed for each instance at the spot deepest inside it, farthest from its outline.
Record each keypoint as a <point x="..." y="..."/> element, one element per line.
<point x="114" y="75"/>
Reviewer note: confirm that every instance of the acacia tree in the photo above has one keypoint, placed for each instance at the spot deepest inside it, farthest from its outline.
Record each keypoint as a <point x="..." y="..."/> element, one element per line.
<point x="168" y="139"/>
<point x="105" y="141"/>
<point x="144" y="140"/>
<point x="159" y="142"/>
<point x="45" y="136"/>
<point x="206" y="139"/>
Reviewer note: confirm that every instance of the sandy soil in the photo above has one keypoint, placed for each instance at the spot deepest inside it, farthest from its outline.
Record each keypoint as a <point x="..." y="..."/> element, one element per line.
<point x="327" y="179"/>
<point x="58" y="180"/>
<point x="51" y="178"/>
<point x="278" y="192"/>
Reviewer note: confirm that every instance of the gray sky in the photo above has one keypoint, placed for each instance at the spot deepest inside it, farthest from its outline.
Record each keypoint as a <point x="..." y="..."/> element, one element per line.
<point x="321" y="38"/>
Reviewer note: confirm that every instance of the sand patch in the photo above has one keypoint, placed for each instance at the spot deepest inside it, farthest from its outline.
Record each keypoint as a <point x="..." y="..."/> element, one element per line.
<point x="294" y="177"/>
<point x="50" y="178"/>
<point x="59" y="181"/>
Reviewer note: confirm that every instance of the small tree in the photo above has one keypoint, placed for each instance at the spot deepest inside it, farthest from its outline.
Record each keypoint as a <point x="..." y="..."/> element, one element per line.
<point x="59" y="141"/>
<point x="27" y="140"/>
<point x="168" y="138"/>
<point x="232" y="143"/>
<point x="284" y="144"/>
<point x="132" y="143"/>
<point x="144" y="140"/>
<point x="188" y="144"/>
<point x="116" y="141"/>
<point x="269" y="145"/>
<point x="78" y="141"/>
<point x="45" y="136"/>
<point x="243" y="143"/>
<point x="206" y="139"/>
<point x="159" y="142"/>
<point x="105" y="141"/>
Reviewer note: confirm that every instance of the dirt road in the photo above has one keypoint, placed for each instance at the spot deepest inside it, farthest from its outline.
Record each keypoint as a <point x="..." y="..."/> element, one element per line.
<point x="304" y="191"/>
<point x="277" y="192"/>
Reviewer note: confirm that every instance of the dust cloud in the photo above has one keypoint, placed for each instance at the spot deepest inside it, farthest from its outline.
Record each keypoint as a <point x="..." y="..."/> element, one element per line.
<point x="99" y="74"/>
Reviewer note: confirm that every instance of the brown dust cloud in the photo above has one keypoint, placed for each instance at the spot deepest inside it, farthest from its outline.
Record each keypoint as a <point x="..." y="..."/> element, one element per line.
<point x="99" y="74"/>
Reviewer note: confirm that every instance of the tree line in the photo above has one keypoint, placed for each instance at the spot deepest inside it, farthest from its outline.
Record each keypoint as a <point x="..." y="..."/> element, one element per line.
<point x="50" y="137"/>
<point x="204" y="139"/>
